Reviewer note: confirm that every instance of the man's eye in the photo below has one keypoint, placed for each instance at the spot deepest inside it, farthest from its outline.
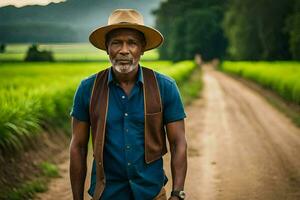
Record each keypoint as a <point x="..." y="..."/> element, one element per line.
<point x="132" y="42"/>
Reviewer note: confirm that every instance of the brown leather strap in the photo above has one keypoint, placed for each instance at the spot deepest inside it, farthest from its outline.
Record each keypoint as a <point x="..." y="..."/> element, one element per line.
<point x="151" y="92"/>
<point x="155" y="139"/>
<point x="98" y="112"/>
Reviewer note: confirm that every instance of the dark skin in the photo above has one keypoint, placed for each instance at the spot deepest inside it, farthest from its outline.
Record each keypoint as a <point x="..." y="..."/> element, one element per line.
<point x="125" y="43"/>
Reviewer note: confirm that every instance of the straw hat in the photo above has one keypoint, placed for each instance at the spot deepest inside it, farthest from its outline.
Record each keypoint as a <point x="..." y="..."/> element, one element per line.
<point x="126" y="18"/>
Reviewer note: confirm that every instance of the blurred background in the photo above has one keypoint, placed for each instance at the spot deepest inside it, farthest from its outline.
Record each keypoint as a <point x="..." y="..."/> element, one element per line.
<point x="230" y="29"/>
<point x="236" y="63"/>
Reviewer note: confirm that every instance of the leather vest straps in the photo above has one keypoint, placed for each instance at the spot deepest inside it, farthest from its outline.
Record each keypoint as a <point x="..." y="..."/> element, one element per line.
<point x="98" y="113"/>
<point x="155" y="139"/>
<point x="154" y="133"/>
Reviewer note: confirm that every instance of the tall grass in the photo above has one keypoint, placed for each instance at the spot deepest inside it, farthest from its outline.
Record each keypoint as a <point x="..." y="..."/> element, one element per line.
<point x="281" y="77"/>
<point x="36" y="96"/>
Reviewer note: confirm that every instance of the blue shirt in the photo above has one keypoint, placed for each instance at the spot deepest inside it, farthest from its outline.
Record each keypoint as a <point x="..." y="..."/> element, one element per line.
<point x="127" y="175"/>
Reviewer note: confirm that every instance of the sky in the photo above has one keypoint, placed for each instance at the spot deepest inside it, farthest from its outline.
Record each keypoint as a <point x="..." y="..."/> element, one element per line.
<point x="20" y="3"/>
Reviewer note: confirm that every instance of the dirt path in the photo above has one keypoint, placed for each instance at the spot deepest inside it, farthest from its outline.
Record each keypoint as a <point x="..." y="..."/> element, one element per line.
<point x="240" y="148"/>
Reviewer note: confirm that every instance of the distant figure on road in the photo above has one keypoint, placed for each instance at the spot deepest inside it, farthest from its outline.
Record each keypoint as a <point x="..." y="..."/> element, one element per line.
<point x="128" y="109"/>
<point x="198" y="59"/>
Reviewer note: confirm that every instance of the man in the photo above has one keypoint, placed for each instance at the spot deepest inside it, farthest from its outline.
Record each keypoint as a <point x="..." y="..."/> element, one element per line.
<point x="128" y="108"/>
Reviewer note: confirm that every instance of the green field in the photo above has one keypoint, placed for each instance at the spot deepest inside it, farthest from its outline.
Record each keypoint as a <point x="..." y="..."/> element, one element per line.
<point x="280" y="77"/>
<point x="65" y="52"/>
<point x="36" y="96"/>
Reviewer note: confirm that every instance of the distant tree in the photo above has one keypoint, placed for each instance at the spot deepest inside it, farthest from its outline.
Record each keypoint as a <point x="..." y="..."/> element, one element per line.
<point x="239" y="27"/>
<point x="191" y="27"/>
<point x="293" y="28"/>
<point x="34" y="54"/>
<point x="256" y="29"/>
<point x="205" y="35"/>
<point x="2" y="48"/>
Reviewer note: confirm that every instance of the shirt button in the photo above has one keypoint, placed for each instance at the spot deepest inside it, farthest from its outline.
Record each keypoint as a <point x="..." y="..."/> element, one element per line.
<point x="123" y="97"/>
<point x="127" y="146"/>
<point x="129" y="164"/>
<point x="126" y="114"/>
<point x="100" y="163"/>
<point x="126" y="130"/>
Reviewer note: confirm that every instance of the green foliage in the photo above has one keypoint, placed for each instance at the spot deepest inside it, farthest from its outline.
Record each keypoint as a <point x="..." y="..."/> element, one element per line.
<point x="35" y="96"/>
<point x="190" y="89"/>
<point x="256" y="29"/>
<point x="2" y="48"/>
<point x="206" y="39"/>
<point x="27" y="190"/>
<point x="191" y="27"/>
<point x="281" y="77"/>
<point x="49" y="169"/>
<point x="293" y="27"/>
<point x="34" y="54"/>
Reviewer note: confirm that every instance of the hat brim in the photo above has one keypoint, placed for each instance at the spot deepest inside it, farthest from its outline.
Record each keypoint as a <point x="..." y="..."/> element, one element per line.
<point x="153" y="37"/>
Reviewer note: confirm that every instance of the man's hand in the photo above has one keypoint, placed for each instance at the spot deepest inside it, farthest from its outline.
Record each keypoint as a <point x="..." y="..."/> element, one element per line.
<point x="78" y="154"/>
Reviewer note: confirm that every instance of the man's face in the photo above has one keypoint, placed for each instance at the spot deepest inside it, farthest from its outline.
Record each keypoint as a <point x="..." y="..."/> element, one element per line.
<point x="125" y="47"/>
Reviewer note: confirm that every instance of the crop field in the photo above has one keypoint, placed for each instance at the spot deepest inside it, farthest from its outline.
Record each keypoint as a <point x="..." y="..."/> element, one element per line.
<point x="36" y="96"/>
<point x="65" y="52"/>
<point x="280" y="77"/>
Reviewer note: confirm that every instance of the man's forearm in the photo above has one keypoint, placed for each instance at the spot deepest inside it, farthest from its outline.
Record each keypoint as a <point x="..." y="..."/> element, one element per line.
<point x="78" y="171"/>
<point x="179" y="164"/>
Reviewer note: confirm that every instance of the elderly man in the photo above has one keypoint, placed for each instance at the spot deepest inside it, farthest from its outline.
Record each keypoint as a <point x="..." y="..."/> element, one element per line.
<point x="130" y="110"/>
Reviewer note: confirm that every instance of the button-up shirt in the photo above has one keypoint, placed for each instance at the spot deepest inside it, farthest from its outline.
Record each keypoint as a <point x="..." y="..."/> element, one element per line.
<point x="127" y="175"/>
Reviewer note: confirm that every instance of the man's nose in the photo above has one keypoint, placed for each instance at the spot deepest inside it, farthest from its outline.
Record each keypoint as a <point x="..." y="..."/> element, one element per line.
<point x="124" y="48"/>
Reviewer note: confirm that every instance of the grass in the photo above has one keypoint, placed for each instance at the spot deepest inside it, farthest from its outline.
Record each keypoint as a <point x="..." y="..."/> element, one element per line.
<point x="29" y="188"/>
<point x="191" y="88"/>
<point x="34" y="96"/>
<point x="49" y="169"/>
<point x="281" y="78"/>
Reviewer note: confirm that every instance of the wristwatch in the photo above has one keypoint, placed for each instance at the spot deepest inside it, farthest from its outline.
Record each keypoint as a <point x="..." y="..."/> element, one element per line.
<point x="178" y="193"/>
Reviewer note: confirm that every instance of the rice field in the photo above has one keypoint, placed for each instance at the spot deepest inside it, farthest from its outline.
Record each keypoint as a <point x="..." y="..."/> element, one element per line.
<point x="280" y="77"/>
<point x="38" y="96"/>
<point x="65" y="52"/>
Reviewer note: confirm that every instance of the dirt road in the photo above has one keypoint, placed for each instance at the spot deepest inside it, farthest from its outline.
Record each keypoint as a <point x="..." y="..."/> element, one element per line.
<point x="240" y="148"/>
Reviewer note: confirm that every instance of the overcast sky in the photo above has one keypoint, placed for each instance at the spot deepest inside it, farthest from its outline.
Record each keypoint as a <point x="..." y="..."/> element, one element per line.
<point x="20" y="3"/>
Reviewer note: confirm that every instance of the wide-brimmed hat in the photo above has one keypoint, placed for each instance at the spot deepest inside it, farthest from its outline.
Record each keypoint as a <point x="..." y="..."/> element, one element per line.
<point x="126" y="18"/>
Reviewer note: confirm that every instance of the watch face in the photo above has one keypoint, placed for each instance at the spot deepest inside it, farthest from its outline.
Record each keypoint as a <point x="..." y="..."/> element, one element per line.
<point x="182" y="194"/>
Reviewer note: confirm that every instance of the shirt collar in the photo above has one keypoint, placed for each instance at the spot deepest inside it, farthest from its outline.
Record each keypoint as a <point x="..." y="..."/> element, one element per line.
<point x="140" y="78"/>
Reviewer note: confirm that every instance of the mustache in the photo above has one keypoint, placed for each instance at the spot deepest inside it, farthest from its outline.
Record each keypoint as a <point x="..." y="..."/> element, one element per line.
<point x="124" y="58"/>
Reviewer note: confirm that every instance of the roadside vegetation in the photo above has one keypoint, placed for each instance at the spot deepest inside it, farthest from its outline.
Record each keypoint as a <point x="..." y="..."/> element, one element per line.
<point x="282" y="78"/>
<point x="28" y="189"/>
<point x="35" y="97"/>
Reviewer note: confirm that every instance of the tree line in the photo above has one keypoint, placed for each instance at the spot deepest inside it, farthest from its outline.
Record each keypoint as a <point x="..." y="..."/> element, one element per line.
<point x="231" y="29"/>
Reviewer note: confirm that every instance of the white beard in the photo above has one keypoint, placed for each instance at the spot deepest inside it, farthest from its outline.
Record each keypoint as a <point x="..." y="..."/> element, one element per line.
<point x="124" y="68"/>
